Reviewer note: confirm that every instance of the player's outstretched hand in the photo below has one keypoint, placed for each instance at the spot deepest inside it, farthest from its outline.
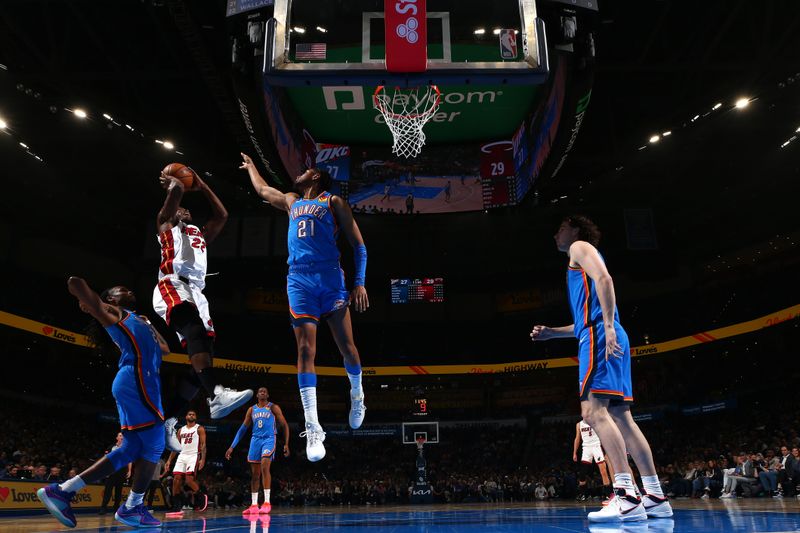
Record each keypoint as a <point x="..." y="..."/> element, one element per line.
<point x="247" y="162"/>
<point x="167" y="181"/>
<point x="360" y="299"/>
<point x="228" y="454"/>
<point x="197" y="184"/>
<point x="286" y="450"/>
<point x="541" y="333"/>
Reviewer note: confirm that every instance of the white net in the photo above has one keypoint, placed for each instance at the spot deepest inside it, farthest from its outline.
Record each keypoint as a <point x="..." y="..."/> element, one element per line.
<point x="406" y="111"/>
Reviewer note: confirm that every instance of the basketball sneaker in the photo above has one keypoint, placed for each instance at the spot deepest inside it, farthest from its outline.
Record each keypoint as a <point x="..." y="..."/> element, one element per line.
<point x="656" y="506"/>
<point x="623" y="508"/>
<point x="265" y="508"/>
<point x="170" y="435"/>
<point x="227" y="400"/>
<point x="357" y="410"/>
<point x="203" y="505"/>
<point x="139" y="516"/>
<point x="252" y="510"/>
<point x="57" y="502"/>
<point x="314" y="435"/>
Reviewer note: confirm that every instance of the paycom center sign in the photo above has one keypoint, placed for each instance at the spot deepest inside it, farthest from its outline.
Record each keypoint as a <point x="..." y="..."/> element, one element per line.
<point x="466" y="113"/>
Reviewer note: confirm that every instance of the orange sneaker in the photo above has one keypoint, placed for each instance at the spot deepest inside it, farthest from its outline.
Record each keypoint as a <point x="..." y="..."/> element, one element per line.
<point x="265" y="508"/>
<point x="253" y="509"/>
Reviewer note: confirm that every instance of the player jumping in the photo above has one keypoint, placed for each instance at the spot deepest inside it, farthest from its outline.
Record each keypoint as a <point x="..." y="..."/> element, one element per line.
<point x="262" y="416"/>
<point x="137" y="392"/>
<point x="604" y="384"/>
<point x="315" y="286"/>
<point x="178" y="298"/>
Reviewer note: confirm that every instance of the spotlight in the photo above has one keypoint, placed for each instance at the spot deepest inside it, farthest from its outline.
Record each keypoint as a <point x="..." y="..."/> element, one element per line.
<point x="168" y="145"/>
<point x="741" y="103"/>
<point x="299" y="29"/>
<point x="479" y="31"/>
<point x="321" y="29"/>
<point x="23" y="145"/>
<point x="3" y="124"/>
<point x="654" y="139"/>
<point x="80" y="113"/>
<point x="496" y="31"/>
<point x="107" y="116"/>
<point x="666" y="134"/>
<point x="716" y="106"/>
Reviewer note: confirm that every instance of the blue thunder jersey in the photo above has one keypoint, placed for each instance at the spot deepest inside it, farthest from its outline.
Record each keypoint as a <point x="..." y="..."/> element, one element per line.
<point x="312" y="233"/>
<point x="138" y="343"/>
<point x="263" y="421"/>
<point x="585" y="306"/>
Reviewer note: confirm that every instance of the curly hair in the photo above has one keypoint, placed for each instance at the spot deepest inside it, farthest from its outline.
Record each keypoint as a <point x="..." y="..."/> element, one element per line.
<point x="325" y="179"/>
<point x="587" y="230"/>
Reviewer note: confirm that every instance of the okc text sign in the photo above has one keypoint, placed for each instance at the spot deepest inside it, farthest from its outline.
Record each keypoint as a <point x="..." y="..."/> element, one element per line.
<point x="406" y="30"/>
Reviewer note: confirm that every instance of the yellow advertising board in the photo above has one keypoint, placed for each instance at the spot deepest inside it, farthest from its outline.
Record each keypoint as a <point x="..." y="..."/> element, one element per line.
<point x="21" y="495"/>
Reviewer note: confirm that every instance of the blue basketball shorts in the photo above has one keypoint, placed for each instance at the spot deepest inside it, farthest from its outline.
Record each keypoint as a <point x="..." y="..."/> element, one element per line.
<point x="138" y="399"/>
<point x="604" y="379"/>
<point x="261" y="448"/>
<point x="315" y="295"/>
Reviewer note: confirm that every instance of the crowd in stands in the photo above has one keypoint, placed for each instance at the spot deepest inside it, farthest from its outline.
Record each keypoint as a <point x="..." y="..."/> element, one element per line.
<point x="718" y="456"/>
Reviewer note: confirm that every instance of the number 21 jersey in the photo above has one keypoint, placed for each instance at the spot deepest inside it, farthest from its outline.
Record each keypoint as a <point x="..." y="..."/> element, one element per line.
<point x="312" y="232"/>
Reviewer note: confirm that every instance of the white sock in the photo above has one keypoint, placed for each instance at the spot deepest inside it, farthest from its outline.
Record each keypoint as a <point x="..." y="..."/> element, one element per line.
<point x="355" y="384"/>
<point x="308" y="395"/>
<point x="73" y="485"/>
<point x="652" y="486"/>
<point x="134" y="499"/>
<point x="624" y="481"/>
<point x="266" y="495"/>
<point x="254" y="495"/>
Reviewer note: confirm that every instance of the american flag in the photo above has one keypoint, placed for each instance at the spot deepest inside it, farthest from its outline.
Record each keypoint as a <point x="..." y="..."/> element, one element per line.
<point x="311" y="51"/>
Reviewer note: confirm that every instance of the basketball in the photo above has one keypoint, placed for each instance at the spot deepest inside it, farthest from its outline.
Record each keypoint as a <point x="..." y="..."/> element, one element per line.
<point x="181" y="172"/>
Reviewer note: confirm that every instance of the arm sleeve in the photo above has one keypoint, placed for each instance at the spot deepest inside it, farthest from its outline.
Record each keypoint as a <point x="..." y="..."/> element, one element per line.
<point x="239" y="435"/>
<point x="360" y="257"/>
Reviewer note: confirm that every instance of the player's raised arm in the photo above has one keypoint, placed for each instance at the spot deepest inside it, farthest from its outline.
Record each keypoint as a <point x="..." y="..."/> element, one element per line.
<point x="91" y="303"/>
<point x="219" y="215"/>
<point x="347" y="223"/>
<point x="240" y="433"/>
<point x="272" y="195"/>
<point x="284" y="426"/>
<point x="175" y="191"/>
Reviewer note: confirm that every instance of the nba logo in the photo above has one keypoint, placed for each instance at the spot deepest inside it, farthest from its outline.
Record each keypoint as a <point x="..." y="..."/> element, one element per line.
<point x="508" y="44"/>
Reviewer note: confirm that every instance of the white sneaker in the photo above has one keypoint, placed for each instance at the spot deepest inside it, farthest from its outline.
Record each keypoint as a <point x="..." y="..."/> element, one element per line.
<point x="704" y="496"/>
<point x="656" y="506"/>
<point x="314" y="435"/>
<point x="623" y="508"/>
<point x="357" y="410"/>
<point x="227" y="400"/>
<point x="170" y="435"/>
<point x="726" y="495"/>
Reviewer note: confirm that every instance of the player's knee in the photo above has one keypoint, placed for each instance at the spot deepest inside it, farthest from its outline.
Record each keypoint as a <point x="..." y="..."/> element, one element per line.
<point x="306" y="350"/>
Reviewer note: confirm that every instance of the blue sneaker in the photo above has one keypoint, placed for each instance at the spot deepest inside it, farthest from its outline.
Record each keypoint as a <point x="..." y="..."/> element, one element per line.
<point x="139" y="516"/>
<point x="57" y="502"/>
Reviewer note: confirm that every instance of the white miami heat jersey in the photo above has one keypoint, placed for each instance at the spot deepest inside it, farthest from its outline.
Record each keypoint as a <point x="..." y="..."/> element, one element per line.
<point x="589" y="436"/>
<point x="183" y="253"/>
<point x="189" y="440"/>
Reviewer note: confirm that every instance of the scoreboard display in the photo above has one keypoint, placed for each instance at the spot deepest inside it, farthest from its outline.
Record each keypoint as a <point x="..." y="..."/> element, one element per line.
<point x="408" y="290"/>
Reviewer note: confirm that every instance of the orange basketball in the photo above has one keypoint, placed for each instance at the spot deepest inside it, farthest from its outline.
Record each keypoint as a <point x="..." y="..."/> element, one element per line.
<point x="180" y="172"/>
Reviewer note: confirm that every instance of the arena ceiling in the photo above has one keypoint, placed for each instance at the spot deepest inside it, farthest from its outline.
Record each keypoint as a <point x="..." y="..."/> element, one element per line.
<point x="159" y="67"/>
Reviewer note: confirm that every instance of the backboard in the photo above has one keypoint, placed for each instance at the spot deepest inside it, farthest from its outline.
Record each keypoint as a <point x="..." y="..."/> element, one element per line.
<point x="429" y="42"/>
<point x="412" y="430"/>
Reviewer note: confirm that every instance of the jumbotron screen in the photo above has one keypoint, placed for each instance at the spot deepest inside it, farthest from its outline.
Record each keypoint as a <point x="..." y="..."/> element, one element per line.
<point x="408" y="290"/>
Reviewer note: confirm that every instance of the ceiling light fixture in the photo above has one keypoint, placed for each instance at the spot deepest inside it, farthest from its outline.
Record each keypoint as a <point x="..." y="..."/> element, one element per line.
<point x="80" y="113"/>
<point x="479" y="31"/>
<point x="741" y="103"/>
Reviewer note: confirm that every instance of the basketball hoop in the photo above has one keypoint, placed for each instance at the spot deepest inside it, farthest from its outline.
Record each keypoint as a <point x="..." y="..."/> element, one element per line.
<point x="406" y="111"/>
<point x="421" y="440"/>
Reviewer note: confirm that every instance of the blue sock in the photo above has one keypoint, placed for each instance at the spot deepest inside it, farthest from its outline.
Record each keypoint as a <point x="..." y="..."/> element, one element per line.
<point x="306" y="379"/>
